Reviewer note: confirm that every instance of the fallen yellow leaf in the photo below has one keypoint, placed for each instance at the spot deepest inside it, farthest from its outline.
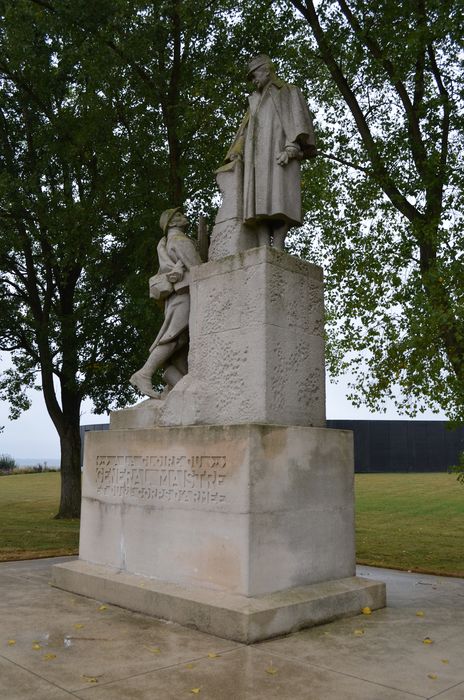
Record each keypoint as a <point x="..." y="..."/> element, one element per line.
<point x="271" y="670"/>
<point x="445" y="661"/>
<point x="78" y="626"/>
<point x="90" y="679"/>
<point x="358" y="633"/>
<point x="11" y="642"/>
<point x="420" y="613"/>
<point x="36" y="647"/>
<point x="49" y="657"/>
<point x="366" y="610"/>
<point x="212" y="655"/>
<point x="102" y="607"/>
<point x="433" y="676"/>
<point x="195" y="691"/>
<point x="189" y="666"/>
<point x="153" y="650"/>
<point x="427" y="640"/>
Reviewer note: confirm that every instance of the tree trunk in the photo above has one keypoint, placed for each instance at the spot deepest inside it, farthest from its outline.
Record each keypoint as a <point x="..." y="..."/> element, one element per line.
<point x="70" y="441"/>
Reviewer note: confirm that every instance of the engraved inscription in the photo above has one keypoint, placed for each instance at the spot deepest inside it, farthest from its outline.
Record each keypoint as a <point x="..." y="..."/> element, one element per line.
<point x="195" y="479"/>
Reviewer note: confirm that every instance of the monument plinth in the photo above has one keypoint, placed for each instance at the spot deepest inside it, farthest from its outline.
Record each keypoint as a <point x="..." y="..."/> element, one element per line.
<point x="256" y="347"/>
<point x="244" y="527"/>
<point x="245" y="509"/>
<point x="224" y="503"/>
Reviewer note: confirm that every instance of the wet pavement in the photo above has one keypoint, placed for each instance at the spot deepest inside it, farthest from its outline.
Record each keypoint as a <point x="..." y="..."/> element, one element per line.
<point x="56" y="645"/>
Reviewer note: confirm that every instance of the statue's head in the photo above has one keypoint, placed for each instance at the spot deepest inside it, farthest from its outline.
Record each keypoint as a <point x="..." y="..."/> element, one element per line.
<point x="172" y="217"/>
<point x="260" y="70"/>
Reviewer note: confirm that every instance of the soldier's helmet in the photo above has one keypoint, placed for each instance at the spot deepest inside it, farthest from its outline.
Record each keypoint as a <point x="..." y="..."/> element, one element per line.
<point x="166" y="217"/>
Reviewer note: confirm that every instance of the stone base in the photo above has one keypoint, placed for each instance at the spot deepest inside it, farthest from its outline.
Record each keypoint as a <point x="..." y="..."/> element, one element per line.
<point x="223" y="614"/>
<point x="246" y="509"/>
<point x="256" y="347"/>
<point x="242" y="531"/>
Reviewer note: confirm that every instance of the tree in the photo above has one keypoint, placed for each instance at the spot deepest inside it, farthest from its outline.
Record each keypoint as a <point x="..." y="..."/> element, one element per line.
<point x="108" y="114"/>
<point x="70" y="189"/>
<point x="387" y="200"/>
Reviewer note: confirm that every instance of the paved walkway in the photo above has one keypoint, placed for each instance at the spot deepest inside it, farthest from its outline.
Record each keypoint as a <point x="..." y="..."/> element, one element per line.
<point x="55" y="645"/>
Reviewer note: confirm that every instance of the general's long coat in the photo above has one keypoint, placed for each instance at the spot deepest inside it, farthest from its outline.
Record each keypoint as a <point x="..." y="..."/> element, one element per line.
<point x="277" y="117"/>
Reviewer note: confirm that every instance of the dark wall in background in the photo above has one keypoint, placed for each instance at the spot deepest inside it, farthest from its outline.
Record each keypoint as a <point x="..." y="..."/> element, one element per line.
<point x="88" y="428"/>
<point x="403" y="445"/>
<point x="392" y="445"/>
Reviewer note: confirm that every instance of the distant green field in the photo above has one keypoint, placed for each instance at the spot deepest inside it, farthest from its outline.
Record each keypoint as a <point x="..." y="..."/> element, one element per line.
<point x="403" y="521"/>
<point x="410" y="521"/>
<point x="28" y="503"/>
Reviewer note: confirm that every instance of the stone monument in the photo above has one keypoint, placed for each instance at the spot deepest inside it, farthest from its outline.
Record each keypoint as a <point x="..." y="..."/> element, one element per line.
<point x="224" y="503"/>
<point x="176" y="255"/>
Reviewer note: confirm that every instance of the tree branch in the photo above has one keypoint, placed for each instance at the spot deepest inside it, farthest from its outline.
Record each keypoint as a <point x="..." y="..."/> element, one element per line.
<point x="21" y="83"/>
<point x="378" y="168"/>
<point x="342" y="161"/>
<point x="445" y="98"/>
<point x="415" y="136"/>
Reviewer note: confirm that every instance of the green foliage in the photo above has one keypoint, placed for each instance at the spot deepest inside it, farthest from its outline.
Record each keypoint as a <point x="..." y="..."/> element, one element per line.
<point x="459" y="469"/>
<point x="385" y="199"/>
<point x="70" y="229"/>
<point x="7" y="463"/>
<point x="108" y="115"/>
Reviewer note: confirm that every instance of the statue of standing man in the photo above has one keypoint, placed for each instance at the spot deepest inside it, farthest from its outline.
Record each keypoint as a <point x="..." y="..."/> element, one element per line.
<point x="275" y="135"/>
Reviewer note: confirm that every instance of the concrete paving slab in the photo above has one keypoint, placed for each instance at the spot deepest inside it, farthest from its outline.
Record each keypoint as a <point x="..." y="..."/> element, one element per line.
<point x="408" y="588"/>
<point x="18" y="684"/>
<point x="67" y="640"/>
<point x="90" y="653"/>
<point x="245" y="674"/>
<point x="394" y="655"/>
<point x="456" y="693"/>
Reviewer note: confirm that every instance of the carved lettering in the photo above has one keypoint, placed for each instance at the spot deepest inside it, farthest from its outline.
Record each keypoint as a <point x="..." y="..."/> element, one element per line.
<point x="194" y="479"/>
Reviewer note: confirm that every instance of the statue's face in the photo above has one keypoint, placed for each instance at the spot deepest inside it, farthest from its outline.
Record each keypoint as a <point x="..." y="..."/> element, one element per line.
<point x="260" y="77"/>
<point x="179" y="220"/>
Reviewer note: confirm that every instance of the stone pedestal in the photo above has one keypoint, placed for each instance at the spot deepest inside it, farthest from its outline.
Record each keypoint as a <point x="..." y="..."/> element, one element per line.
<point x="230" y="235"/>
<point x="256" y="347"/>
<point x="259" y="515"/>
<point x="229" y="506"/>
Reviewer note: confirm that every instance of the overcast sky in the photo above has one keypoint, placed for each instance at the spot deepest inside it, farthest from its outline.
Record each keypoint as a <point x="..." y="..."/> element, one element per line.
<point x="34" y="436"/>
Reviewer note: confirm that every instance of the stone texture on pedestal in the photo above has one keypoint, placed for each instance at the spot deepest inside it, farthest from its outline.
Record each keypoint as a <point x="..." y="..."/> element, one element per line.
<point x="256" y="346"/>
<point x="257" y="343"/>
<point x="229" y="235"/>
<point x="248" y="509"/>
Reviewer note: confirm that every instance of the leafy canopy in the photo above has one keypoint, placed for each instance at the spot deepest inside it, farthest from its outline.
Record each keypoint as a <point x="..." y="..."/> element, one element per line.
<point x="386" y="203"/>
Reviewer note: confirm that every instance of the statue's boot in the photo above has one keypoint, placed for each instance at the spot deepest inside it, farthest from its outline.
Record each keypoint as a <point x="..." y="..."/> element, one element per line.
<point x="142" y="382"/>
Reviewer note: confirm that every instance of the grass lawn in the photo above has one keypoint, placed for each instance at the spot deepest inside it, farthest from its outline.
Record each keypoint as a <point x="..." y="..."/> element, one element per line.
<point x="403" y="521"/>
<point x="28" y="503"/>
<point x="410" y="521"/>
